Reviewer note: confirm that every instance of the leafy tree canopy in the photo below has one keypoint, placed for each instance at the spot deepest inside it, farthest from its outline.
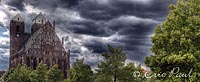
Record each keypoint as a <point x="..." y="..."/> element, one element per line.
<point x="113" y="68"/>
<point x="176" y="42"/>
<point x="23" y="74"/>
<point x="80" y="72"/>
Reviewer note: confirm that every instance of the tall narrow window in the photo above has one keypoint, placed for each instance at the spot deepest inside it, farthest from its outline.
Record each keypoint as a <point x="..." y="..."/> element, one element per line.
<point x="17" y="31"/>
<point x="34" y="63"/>
<point x="17" y="28"/>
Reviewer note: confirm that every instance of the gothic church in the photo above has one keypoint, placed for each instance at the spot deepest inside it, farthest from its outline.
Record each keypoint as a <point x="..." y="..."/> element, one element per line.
<point x="42" y="45"/>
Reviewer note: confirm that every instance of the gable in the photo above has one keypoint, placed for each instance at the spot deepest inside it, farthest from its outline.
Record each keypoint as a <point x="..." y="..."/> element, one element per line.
<point x="40" y="19"/>
<point x="18" y="18"/>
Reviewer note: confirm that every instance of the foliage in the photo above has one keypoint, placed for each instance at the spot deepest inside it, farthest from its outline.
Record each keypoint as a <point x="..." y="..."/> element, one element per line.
<point x="41" y="73"/>
<point x="54" y="74"/>
<point x="23" y="74"/>
<point x="176" y="42"/>
<point x="127" y="73"/>
<point x="113" y="68"/>
<point x="20" y="74"/>
<point x="80" y="72"/>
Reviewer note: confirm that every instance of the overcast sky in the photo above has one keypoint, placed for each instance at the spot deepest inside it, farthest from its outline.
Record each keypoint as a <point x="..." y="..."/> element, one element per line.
<point x="90" y="25"/>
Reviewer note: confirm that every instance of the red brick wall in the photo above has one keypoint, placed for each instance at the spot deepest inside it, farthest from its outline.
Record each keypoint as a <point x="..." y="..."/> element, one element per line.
<point x="16" y="42"/>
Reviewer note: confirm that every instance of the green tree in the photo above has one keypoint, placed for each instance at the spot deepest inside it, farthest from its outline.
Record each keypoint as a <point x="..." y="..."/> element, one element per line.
<point x="19" y="74"/>
<point x="127" y="73"/>
<point x="103" y="78"/>
<point x="55" y="74"/>
<point x="7" y="74"/>
<point x="113" y="61"/>
<point x="113" y="68"/>
<point x="40" y="74"/>
<point x="80" y="72"/>
<point x="176" y="42"/>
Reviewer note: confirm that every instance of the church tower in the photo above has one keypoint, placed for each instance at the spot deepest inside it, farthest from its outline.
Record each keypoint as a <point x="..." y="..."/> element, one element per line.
<point x="16" y="34"/>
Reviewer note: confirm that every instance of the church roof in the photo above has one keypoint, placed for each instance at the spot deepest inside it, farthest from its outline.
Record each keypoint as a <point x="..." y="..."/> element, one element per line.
<point x="28" y="43"/>
<point x="18" y="18"/>
<point x="35" y="35"/>
<point x="39" y="15"/>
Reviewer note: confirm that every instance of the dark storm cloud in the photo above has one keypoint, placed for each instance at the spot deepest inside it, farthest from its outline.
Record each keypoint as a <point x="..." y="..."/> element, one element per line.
<point x="137" y="33"/>
<point x="96" y="46"/>
<point x="49" y="5"/>
<point x="136" y="36"/>
<point x="89" y="28"/>
<point x="91" y="9"/>
<point x="16" y="3"/>
<point x="70" y="3"/>
<point x="12" y="9"/>
<point x="135" y="21"/>
<point x="132" y="26"/>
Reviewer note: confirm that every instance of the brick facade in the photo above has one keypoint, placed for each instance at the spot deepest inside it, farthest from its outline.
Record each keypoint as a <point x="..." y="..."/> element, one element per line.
<point x="42" y="45"/>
